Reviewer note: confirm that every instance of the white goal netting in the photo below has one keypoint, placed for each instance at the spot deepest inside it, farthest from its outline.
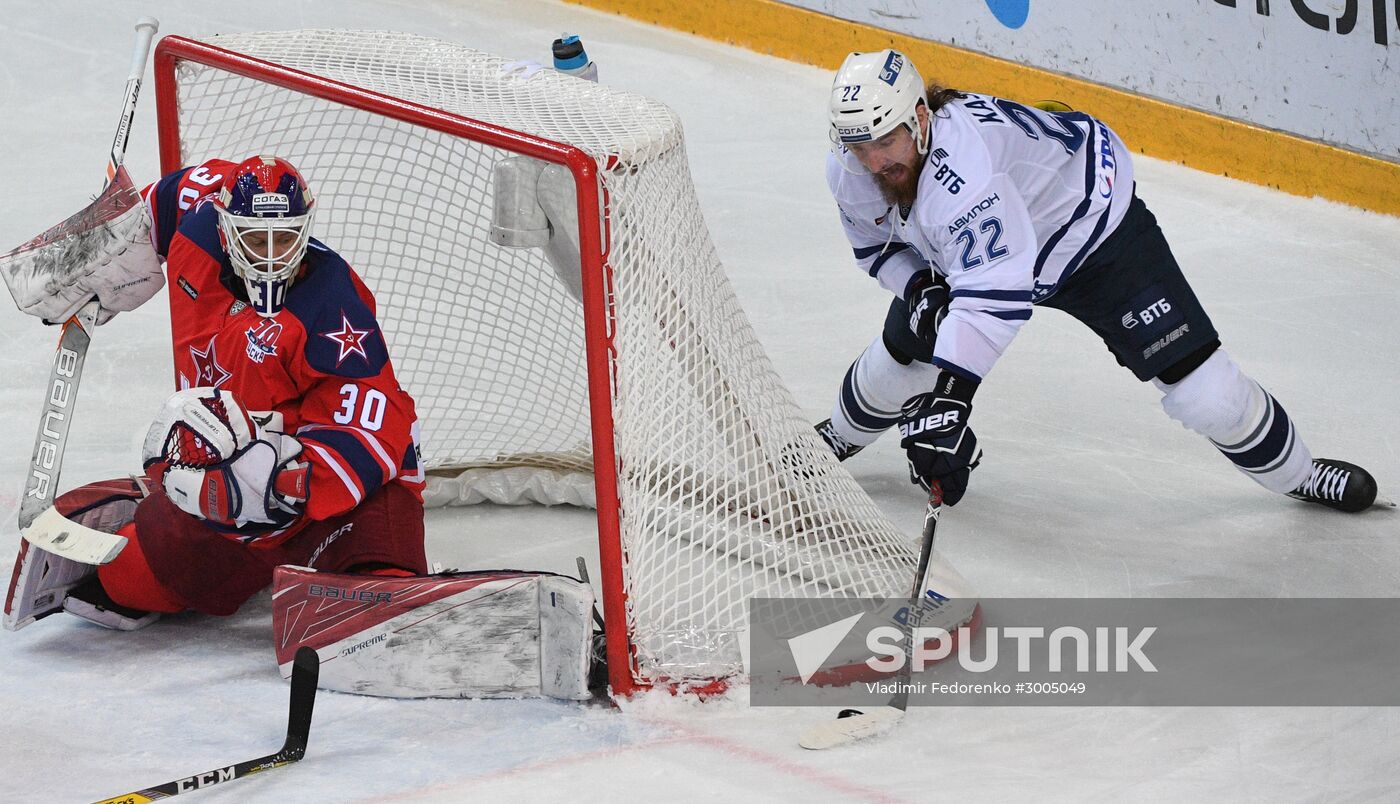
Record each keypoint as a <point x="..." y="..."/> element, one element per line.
<point x="723" y="489"/>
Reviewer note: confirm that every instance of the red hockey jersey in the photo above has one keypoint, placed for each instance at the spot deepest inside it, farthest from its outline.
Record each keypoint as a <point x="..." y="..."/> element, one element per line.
<point x="321" y="362"/>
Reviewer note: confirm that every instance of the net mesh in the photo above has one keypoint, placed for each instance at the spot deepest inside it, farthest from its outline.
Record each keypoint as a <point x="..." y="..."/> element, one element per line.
<point x="724" y="490"/>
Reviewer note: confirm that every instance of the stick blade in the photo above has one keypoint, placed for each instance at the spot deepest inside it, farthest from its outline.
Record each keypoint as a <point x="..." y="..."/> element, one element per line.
<point x="57" y="534"/>
<point x="306" y="671"/>
<point x="850" y="729"/>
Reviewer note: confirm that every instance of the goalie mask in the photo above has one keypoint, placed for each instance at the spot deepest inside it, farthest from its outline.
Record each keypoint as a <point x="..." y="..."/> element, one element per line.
<point x="874" y="94"/>
<point x="265" y="210"/>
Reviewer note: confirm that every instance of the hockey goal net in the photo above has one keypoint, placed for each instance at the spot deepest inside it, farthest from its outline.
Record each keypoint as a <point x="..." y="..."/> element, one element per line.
<point x="710" y="486"/>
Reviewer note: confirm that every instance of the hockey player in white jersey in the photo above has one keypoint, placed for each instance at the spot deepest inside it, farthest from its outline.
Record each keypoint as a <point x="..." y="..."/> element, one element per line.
<point x="972" y="210"/>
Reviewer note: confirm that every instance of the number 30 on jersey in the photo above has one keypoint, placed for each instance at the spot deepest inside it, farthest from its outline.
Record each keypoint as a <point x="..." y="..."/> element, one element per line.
<point x="367" y="412"/>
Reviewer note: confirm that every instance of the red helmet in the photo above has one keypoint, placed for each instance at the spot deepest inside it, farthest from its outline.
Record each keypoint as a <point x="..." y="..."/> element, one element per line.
<point x="265" y="210"/>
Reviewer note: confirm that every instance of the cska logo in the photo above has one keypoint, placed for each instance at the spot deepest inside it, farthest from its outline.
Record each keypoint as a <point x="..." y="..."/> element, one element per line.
<point x="262" y="339"/>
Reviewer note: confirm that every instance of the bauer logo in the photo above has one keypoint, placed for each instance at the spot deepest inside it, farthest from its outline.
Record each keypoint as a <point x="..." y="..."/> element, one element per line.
<point x="353" y="595"/>
<point x="929" y="424"/>
<point x="1165" y="341"/>
<point x="893" y="64"/>
<point x="271" y="203"/>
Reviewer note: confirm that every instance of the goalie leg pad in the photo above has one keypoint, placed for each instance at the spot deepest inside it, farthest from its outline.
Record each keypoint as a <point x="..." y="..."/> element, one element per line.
<point x="490" y="634"/>
<point x="41" y="580"/>
<point x="39" y="583"/>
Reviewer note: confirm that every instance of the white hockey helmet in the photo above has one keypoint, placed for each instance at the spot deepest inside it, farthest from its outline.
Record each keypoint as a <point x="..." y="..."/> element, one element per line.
<point x="872" y="95"/>
<point x="265" y="208"/>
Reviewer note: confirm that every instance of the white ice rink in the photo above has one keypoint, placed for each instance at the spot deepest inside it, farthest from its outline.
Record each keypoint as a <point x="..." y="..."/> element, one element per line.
<point x="1088" y="490"/>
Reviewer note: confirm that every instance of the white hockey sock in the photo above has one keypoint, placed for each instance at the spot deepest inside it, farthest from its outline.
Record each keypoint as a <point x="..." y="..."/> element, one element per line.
<point x="1242" y="420"/>
<point x="874" y="391"/>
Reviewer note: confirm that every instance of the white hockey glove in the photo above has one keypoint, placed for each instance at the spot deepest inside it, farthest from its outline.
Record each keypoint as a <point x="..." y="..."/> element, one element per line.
<point x="223" y="464"/>
<point x="104" y="251"/>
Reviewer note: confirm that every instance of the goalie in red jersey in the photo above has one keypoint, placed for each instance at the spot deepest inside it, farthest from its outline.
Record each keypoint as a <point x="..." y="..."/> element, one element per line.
<point x="289" y="440"/>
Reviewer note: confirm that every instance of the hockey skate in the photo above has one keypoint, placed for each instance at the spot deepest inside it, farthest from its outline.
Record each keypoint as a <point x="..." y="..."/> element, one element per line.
<point x="91" y="602"/>
<point x="1340" y="485"/>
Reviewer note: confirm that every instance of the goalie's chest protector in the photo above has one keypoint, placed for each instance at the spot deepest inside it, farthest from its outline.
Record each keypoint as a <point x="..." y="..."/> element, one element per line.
<point x="221" y="342"/>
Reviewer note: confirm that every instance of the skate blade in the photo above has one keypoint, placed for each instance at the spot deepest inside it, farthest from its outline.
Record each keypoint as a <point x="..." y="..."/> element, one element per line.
<point x="1383" y="502"/>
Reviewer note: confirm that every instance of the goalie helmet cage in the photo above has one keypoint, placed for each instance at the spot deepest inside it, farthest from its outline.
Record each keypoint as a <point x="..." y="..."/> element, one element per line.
<point x="711" y="487"/>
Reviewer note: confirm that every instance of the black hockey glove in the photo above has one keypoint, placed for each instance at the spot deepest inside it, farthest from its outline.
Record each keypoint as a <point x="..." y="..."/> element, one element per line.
<point x="926" y="303"/>
<point x="935" y="436"/>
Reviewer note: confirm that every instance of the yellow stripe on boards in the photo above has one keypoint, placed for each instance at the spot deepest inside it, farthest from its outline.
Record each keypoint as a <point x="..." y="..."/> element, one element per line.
<point x="1198" y="139"/>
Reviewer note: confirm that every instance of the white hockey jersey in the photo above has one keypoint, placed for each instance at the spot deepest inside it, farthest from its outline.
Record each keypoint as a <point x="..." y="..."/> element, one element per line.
<point x="1011" y="201"/>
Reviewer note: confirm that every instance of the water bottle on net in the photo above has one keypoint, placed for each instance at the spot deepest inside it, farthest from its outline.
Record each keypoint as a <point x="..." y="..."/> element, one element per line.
<point x="571" y="59"/>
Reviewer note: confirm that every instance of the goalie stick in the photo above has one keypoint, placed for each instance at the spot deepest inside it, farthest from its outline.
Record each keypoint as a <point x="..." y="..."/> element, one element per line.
<point x="306" y="670"/>
<point x="40" y="487"/>
<point x="854" y="724"/>
<point x="57" y="534"/>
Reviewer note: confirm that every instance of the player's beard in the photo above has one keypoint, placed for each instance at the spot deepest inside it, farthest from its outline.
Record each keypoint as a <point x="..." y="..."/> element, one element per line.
<point x="901" y="190"/>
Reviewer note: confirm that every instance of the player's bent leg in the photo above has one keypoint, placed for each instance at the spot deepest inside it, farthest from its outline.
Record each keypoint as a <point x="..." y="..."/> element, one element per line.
<point x="872" y="396"/>
<point x="1253" y="430"/>
<point x="201" y="569"/>
<point x="127" y="582"/>
<point x="1132" y="293"/>
<point x="381" y="534"/>
<point x="1242" y="420"/>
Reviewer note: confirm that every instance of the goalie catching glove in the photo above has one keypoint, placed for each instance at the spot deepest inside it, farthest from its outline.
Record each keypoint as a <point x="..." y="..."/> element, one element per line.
<point x="936" y="438"/>
<point x="223" y="464"/>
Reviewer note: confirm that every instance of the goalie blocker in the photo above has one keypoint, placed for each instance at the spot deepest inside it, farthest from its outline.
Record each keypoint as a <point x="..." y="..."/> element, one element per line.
<point x="486" y="634"/>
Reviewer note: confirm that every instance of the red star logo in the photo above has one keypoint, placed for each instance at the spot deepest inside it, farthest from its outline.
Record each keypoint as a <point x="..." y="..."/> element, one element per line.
<point x="207" y="370"/>
<point x="350" y="340"/>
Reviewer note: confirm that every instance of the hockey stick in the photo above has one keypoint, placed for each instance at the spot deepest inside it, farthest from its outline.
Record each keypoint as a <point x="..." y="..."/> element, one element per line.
<point x="57" y="534"/>
<point x="306" y="669"/>
<point x="853" y="724"/>
<point x="49" y="443"/>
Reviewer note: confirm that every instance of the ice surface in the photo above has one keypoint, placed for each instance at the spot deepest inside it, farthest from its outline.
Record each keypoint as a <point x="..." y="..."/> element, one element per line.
<point x="1087" y="490"/>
